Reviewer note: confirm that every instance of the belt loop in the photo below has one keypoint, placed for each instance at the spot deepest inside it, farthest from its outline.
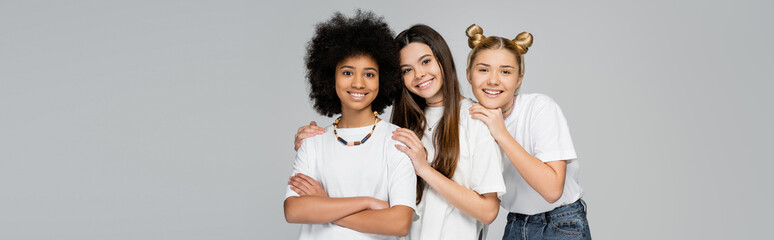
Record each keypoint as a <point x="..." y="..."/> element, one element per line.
<point x="585" y="208"/>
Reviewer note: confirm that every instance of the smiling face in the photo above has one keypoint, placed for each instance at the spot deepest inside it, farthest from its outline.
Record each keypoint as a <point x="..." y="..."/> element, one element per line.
<point x="421" y="71"/>
<point x="357" y="82"/>
<point x="494" y="77"/>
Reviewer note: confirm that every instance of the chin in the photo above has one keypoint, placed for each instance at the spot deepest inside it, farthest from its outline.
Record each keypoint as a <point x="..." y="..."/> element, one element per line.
<point x="489" y="103"/>
<point x="357" y="106"/>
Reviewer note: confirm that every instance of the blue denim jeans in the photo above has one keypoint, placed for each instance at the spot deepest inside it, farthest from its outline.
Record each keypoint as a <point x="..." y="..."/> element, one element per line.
<point x="565" y="222"/>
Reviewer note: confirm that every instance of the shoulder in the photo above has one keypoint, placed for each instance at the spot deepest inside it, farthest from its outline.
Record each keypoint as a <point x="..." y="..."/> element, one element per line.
<point x="465" y="104"/>
<point x="317" y="139"/>
<point x="385" y="129"/>
<point x="467" y="121"/>
<point x="537" y="101"/>
<point x="386" y="126"/>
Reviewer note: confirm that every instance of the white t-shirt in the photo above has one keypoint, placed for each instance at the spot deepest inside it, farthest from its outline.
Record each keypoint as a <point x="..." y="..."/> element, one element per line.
<point x="479" y="168"/>
<point x="375" y="168"/>
<point x="538" y="124"/>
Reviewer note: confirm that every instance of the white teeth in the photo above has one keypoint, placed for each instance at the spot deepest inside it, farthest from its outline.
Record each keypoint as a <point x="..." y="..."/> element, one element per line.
<point x="424" y="84"/>
<point x="492" y="92"/>
<point x="357" y="94"/>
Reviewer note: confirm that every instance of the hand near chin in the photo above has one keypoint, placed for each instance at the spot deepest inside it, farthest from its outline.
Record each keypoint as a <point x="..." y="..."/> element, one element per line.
<point x="493" y="118"/>
<point x="414" y="148"/>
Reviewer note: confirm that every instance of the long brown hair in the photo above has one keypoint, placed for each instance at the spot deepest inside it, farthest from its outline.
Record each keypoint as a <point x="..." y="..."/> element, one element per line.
<point x="408" y="111"/>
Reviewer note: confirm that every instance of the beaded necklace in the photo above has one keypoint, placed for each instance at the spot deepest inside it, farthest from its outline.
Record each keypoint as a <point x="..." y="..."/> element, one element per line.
<point x="434" y="103"/>
<point x="509" y="108"/>
<point x="355" y="143"/>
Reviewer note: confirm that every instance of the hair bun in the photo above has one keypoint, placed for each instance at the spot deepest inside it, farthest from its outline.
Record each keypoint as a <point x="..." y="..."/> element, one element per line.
<point x="523" y="41"/>
<point x="475" y="35"/>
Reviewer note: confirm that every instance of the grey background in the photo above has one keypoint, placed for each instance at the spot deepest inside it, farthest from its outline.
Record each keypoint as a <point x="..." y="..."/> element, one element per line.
<point x="174" y="119"/>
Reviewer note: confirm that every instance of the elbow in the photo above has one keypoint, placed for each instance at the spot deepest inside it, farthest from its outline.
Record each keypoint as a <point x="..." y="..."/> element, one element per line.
<point x="491" y="207"/>
<point x="290" y="215"/>
<point x="553" y="196"/>
<point x="489" y="219"/>
<point x="403" y="228"/>
<point x="490" y="215"/>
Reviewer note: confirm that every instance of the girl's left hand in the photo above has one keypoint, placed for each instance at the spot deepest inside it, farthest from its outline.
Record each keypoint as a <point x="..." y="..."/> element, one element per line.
<point x="414" y="148"/>
<point x="306" y="186"/>
<point x="493" y="118"/>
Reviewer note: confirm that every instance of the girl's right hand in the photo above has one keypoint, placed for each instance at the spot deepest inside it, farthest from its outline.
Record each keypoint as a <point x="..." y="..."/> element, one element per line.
<point x="414" y="149"/>
<point x="307" y="131"/>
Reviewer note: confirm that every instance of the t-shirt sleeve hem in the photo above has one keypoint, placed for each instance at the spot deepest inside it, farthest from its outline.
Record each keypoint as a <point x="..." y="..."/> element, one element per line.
<point x="411" y="205"/>
<point x="555" y="157"/>
<point x="500" y="190"/>
<point x="294" y="194"/>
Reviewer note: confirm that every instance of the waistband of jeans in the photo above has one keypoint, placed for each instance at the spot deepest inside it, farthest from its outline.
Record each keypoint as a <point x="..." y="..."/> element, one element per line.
<point x="576" y="207"/>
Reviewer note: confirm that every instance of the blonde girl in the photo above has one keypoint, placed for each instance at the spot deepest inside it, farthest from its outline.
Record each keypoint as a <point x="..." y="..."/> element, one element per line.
<point x="541" y="167"/>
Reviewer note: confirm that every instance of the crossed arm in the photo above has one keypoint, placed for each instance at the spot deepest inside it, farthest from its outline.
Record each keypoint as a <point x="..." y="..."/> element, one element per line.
<point x="317" y="210"/>
<point x="394" y="221"/>
<point x="362" y="214"/>
<point x="482" y="207"/>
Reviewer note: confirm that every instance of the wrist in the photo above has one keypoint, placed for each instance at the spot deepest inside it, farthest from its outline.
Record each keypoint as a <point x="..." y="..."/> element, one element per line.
<point x="500" y="135"/>
<point x="424" y="171"/>
<point x="366" y="203"/>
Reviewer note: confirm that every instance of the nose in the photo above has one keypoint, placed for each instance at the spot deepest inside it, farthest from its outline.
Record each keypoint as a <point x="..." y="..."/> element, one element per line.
<point x="492" y="80"/>
<point x="358" y="82"/>
<point x="420" y="73"/>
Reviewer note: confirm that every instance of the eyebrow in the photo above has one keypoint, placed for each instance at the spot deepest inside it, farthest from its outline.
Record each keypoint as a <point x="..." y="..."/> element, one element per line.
<point x="423" y="56"/>
<point x="502" y="66"/>
<point x="351" y="67"/>
<point x="485" y="65"/>
<point x="420" y="58"/>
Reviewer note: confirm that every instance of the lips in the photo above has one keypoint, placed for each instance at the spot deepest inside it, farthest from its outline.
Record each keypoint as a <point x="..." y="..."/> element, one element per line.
<point x="492" y="92"/>
<point x="426" y="84"/>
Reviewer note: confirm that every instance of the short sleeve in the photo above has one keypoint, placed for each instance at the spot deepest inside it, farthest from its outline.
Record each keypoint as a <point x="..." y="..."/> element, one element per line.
<point x="487" y="173"/>
<point x="403" y="180"/>
<point x="550" y="133"/>
<point x="302" y="164"/>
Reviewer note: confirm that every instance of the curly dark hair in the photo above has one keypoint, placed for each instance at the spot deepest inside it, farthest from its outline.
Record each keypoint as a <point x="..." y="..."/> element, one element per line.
<point x="342" y="37"/>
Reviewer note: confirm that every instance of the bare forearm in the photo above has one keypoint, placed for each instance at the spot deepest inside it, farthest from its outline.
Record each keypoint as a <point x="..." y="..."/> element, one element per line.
<point x="316" y="210"/>
<point x="547" y="181"/>
<point x="394" y="221"/>
<point x="482" y="208"/>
